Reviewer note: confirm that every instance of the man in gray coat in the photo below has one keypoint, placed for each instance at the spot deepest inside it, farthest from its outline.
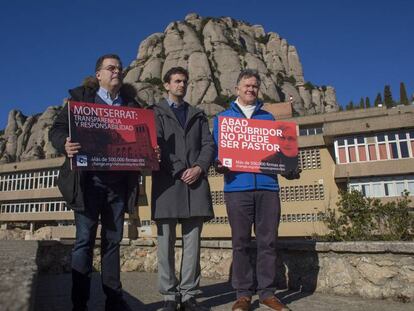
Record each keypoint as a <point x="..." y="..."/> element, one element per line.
<point x="180" y="190"/>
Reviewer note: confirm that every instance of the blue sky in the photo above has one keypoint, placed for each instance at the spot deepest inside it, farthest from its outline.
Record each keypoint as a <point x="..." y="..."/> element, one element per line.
<point x="48" y="46"/>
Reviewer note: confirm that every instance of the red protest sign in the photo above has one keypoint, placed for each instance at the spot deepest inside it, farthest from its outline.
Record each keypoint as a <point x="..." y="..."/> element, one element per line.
<point x="112" y="137"/>
<point x="259" y="146"/>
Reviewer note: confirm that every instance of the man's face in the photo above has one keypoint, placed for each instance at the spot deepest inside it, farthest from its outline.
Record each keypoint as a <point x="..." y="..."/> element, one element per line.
<point x="288" y="142"/>
<point x="110" y="74"/>
<point x="177" y="87"/>
<point x="247" y="91"/>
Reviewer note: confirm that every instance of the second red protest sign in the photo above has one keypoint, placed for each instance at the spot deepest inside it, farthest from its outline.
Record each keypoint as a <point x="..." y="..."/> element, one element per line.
<point x="259" y="146"/>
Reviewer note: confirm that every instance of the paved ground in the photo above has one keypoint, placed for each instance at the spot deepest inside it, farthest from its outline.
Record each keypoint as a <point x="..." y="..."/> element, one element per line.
<point x="53" y="294"/>
<point x="17" y="270"/>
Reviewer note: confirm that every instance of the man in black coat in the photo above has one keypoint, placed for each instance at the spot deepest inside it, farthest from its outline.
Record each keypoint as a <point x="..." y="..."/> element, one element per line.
<point x="180" y="190"/>
<point x="96" y="194"/>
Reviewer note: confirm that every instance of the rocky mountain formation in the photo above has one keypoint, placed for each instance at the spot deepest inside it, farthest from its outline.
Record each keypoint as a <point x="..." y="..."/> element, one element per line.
<point x="214" y="50"/>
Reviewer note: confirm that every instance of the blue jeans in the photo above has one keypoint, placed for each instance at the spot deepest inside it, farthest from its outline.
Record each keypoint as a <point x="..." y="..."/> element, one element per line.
<point x="109" y="202"/>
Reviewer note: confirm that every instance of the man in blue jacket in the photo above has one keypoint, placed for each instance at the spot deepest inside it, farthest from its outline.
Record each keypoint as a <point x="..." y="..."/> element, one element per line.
<point x="252" y="199"/>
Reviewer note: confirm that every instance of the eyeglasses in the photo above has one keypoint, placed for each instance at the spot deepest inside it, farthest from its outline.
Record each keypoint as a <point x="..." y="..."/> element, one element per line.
<point x="112" y="68"/>
<point x="288" y="138"/>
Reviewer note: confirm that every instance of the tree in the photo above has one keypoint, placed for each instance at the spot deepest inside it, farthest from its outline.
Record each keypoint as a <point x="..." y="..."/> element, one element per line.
<point x="361" y="103"/>
<point x="403" y="95"/>
<point x="388" y="101"/>
<point x="367" y="103"/>
<point x="360" y="218"/>
<point x="378" y="100"/>
<point x="350" y="106"/>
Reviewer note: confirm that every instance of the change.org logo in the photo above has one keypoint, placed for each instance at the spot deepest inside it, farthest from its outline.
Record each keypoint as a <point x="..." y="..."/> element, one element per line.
<point x="228" y="162"/>
<point x="81" y="160"/>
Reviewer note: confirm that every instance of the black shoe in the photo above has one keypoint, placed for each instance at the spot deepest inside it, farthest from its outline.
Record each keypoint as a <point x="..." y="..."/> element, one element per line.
<point x="169" y="305"/>
<point x="81" y="284"/>
<point x="117" y="305"/>
<point x="192" y="305"/>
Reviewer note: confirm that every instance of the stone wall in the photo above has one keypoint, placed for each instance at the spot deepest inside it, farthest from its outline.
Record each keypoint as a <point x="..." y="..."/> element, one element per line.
<point x="368" y="269"/>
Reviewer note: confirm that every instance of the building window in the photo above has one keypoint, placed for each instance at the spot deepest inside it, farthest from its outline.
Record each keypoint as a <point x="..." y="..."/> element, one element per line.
<point x="217" y="197"/>
<point x="221" y="220"/>
<point x="212" y="172"/>
<point x="379" y="187"/>
<point x="302" y="193"/>
<point x="147" y="222"/>
<point x="310" y="131"/>
<point x="310" y="217"/>
<point x="372" y="152"/>
<point x="29" y="180"/>
<point x="383" y="146"/>
<point x="309" y="159"/>
<point x="34" y="207"/>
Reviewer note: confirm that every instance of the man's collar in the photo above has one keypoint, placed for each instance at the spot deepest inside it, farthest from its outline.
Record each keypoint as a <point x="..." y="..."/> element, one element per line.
<point x="173" y="104"/>
<point x="104" y="93"/>
<point x="240" y="105"/>
<point x="106" y="96"/>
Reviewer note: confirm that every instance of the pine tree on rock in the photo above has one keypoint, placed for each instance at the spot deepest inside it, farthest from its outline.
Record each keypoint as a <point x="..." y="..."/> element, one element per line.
<point x="403" y="95"/>
<point x="367" y="103"/>
<point x="350" y="106"/>
<point x="388" y="101"/>
<point x="361" y="103"/>
<point x="378" y="100"/>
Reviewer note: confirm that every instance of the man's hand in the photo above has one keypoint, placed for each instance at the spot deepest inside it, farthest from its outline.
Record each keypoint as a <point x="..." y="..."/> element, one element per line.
<point x="157" y="151"/>
<point x="71" y="148"/>
<point x="191" y="175"/>
<point x="294" y="174"/>
<point x="220" y="168"/>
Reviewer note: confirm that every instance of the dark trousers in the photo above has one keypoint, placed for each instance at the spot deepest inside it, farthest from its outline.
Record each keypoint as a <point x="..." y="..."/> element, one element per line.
<point x="107" y="201"/>
<point x="261" y="209"/>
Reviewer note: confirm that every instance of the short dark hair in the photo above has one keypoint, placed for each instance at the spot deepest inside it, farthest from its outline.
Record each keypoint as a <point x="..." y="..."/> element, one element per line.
<point x="248" y="73"/>
<point x="173" y="71"/>
<point x="106" y="56"/>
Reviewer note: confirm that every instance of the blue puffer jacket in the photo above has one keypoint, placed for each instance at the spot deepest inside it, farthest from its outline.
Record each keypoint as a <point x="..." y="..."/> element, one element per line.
<point x="237" y="181"/>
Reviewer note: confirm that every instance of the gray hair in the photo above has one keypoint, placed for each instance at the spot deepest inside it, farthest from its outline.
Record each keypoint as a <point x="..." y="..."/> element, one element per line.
<point x="248" y="73"/>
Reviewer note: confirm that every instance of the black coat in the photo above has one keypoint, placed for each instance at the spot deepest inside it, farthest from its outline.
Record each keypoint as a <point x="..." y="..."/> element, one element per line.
<point x="71" y="182"/>
<point x="182" y="149"/>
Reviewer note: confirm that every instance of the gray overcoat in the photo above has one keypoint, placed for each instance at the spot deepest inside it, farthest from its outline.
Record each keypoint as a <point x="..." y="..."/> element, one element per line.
<point x="181" y="149"/>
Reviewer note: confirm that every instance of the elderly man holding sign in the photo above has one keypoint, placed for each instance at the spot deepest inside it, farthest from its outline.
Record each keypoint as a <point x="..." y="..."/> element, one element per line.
<point x="251" y="194"/>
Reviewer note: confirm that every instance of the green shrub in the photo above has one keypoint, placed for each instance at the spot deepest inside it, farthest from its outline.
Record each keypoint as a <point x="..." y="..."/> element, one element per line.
<point x="360" y="218"/>
<point x="224" y="101"/>
<point x="309" y="86"/>
<point x="263" y="39"/>
<point x="394" y="219"/>
<point x="280" y="78"/>
<point x="290" y="79"/>
<point x="162" y="53"/>
<point x="268" y="99"/>
<point x="155" y="81"/>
